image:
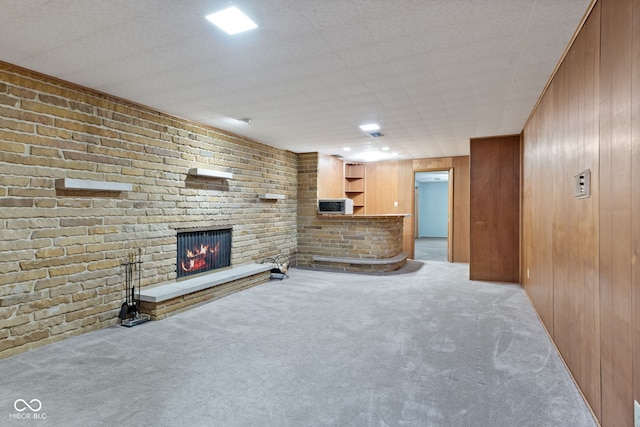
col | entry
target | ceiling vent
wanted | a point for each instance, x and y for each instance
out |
(376, 134)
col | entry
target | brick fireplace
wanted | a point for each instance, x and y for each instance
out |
(203, 273)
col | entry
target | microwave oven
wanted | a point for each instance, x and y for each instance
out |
(335, 206)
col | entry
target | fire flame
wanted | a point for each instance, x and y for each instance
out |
(197, 258)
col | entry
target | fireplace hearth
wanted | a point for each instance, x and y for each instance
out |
(202, 250)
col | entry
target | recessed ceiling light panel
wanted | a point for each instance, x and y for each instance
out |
(370, 127)
(232, 21)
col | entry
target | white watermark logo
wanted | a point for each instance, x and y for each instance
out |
(27, 410)
(21, 405)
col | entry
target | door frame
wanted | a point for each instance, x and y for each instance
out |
(415, 210)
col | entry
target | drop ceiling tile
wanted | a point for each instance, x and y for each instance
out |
(13, 10)
(374, 71)
(320, 65)
(360, 56)
(347, 36)
(561, 16)
(417, 84)
(451, 57)
(323, 14)
(499, 18)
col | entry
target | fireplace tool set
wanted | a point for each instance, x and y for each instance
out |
(130, 311)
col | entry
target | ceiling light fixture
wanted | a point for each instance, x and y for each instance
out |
(372, 156)
(347, 148)
(385, 148)
(369, 127)
(232, 21)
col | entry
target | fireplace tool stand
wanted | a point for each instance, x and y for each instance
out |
(130, 311)
(279, 265)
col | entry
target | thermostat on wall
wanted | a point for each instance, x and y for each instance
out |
(582, 184)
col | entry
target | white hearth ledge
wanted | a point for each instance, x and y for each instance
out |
(87, 184)
(183, 287)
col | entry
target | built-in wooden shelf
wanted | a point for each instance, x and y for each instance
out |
(358, 199)
(354, 185)
(271, 196)
(354, 170)
(210, 173)
(87, 184)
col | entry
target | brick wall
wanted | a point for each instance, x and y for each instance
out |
(307, 205)
(60, 250)
(352, 236)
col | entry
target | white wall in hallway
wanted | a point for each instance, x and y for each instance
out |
(433, 201)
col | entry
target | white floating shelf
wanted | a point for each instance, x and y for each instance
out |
(210, 173)
(87, 184)
(270, 196)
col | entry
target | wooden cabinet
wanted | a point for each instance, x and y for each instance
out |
(354, 185)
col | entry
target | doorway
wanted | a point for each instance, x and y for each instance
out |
(432, 228)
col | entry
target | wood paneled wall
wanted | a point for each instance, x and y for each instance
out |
(635, 200)
(330, 177)
(389, 182)
(560, 232)
(392, 181)
(461, 209)
(495, 209)
(581, 255)
(381, 188)
(405, 203)
(617, 234)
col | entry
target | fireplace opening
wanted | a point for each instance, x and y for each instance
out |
(203, 250)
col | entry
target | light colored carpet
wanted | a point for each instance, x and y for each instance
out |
(426, 347)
